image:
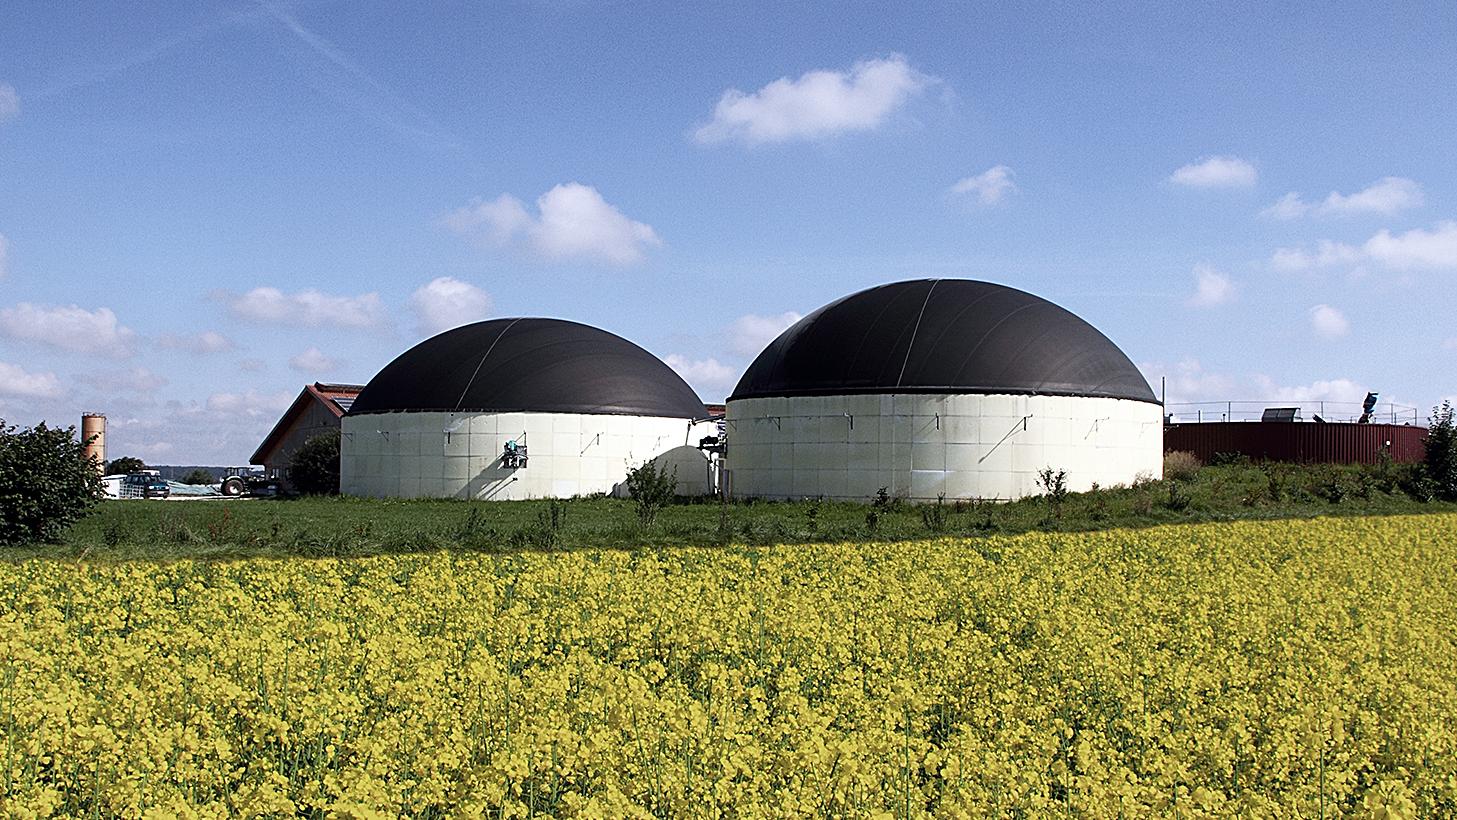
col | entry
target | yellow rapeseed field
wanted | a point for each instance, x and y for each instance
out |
(1276, 669)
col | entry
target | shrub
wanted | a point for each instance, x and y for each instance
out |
(1274, 482)
(1054, 488)
(1384, 475)
(1178, 498)
(981, 518)
(652, 489)
(872, 520)
(1417, 484)
(1181, 465)
(1330, 485)
(314, 469)
(46, 482)
(1098, 503)
(1441, 460)
(1229, 460)
(199, 477)
(933, 516)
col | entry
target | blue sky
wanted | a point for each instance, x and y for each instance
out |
(206, 205)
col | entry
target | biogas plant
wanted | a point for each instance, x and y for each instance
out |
(928, 388)
(939, 387)
(521, 408)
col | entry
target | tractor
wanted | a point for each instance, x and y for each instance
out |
(241, 481)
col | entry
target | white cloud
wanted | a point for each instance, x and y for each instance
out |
(1289, 206)
(17, 382)
(751, 333)
(1384, 196)
(1188, 381)
(989, 186)
(252, 404)
(312, 361)
(446, 302)
(9, 102)
(307, 308)
(132, 380)
(69, 328)
(252, 365)
(1211, 287)
(208, 341)
(1329, 322)
(1434, 249)
(1216, 172)
(573, 222)
(1334, 390)
(1327, 254)
(4, 256)
(1450, 343)
(708, 376)
(1387, 195)
(817, 105)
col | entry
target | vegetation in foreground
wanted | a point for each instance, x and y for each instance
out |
(1264, 669)
(321, 526)
(46, 482)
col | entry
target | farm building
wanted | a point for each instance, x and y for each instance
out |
(318, 409)
(1311, 432)
(521, 408)
(939, 386)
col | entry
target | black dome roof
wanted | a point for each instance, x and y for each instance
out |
(531, 365)
(942, 336)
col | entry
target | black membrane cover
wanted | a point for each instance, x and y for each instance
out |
(529, 365)
(942, 336)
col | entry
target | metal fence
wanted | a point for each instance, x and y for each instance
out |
(1193, 412)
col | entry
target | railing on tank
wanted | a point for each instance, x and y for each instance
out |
(1195, 412)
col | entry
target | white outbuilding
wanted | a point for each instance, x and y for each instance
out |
(939, 387)
(521, 408)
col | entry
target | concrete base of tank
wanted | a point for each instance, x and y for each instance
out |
(921, 446)
(459, 455)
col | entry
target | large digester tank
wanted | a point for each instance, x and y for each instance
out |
(521, 408)
(939, 388)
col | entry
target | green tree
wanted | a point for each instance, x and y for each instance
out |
(652, 488)
(314, 469)
(124, 465)
(46, 482)
(1441, 461)
(199, 476)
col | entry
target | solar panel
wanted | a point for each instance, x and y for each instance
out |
(1280, 414)
(345, 402)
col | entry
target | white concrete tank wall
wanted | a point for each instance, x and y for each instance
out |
(458, 455)
(921, 445)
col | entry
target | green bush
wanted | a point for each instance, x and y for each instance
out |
(1181, 465)
(1441, 460)
(1054, 488)
(46, 482)
(1178, 498)
(1226, 459)
(652, 488)
(314, 469)
(199, 477)
(933, 516)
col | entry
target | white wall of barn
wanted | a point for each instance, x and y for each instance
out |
(458, 455)
(919, 446)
